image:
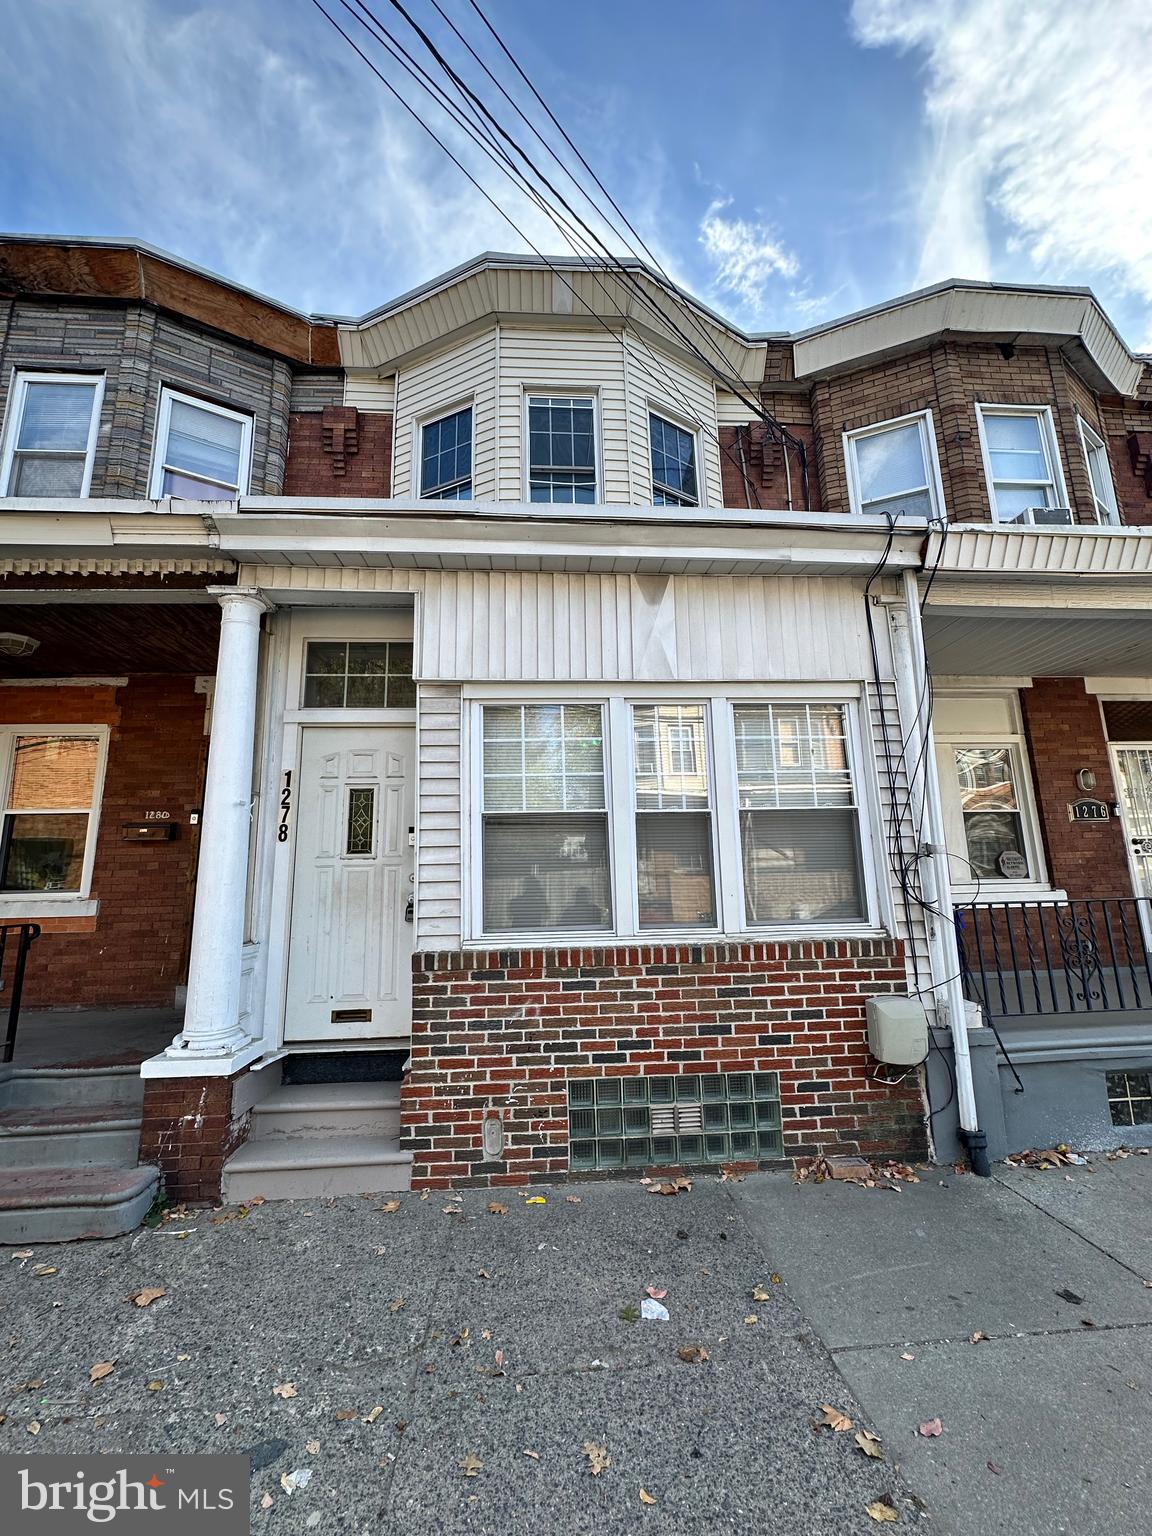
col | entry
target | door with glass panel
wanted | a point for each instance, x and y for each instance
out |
(349, 962)
(1133, 765)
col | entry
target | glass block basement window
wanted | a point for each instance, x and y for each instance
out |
(635, 1122)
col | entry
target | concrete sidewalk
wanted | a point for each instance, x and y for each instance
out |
(1045, 1422)
(386, 1324)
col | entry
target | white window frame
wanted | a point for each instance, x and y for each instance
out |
(617, 701)
(15, 905)
(934, 485)
(17, 393)
(1107, 510)
(655, 408)
(169, 397)
(564, 392)
(429, 419)
(1051, 447)
(965, 887)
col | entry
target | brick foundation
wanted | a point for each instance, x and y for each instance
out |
(507, 1028)
(191, 1127)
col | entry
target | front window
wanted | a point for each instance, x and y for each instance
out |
(1022, 465)
(51, 438)
(892, 468)
(49, 810)
(1099, 474)
(986, 779)
(202, 451)
(545, 823)
(446, 457)
(673, 464)
(673, 817)
(562, 448)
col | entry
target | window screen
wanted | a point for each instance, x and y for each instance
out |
(673, 817)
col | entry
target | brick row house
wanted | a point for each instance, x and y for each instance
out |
(538, 730)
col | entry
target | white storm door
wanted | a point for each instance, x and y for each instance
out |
(350, 948)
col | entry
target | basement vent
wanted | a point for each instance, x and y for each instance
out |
(1130, 1098)
(636, 1122)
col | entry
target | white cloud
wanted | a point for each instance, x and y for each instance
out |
(746, 257)
(1039, 115)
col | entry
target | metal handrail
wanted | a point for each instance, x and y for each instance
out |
(1028, 959)
(24, 934)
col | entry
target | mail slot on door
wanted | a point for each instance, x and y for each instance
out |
(149, 831)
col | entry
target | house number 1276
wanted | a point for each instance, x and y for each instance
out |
(285, 807)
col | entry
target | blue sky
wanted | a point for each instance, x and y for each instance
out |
(788, 160)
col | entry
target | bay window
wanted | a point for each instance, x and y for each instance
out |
(636, 816)
(1022, 464)
(446, 457)
(892, 468)
(202, 452)
(1099, 473)
(50, 434)
(562, 448)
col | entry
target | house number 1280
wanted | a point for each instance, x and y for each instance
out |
(285, 807)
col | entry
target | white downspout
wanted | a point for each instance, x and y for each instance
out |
(910, 671)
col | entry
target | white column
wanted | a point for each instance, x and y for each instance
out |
(211, 1027)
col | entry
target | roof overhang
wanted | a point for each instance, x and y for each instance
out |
(978, 311)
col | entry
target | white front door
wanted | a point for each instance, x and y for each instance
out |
(350, 948)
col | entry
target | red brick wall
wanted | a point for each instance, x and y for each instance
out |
(339, 452)
(134, 951)
(1065, 733)
(189, 1131)
(510, 1027)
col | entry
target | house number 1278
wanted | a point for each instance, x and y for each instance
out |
(285, 807)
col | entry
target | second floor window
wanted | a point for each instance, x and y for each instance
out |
(446, 457)
(562, 448)
(1022, 465)
(673, 464)
(51, 436)
(203, 451)
(1099, 473)
(892, 468)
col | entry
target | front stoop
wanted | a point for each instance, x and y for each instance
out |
(314, 1139)
(69, 1143)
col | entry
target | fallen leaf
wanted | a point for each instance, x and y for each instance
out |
(655, 1293)
(598, 1457)
(834, 1420)
(992, 1467)
(671, 1187)
(693, 1354)
(221, 1418)
(535, 1455)
(452, 1210)
(932, 1427)
(535, 1200)
(775, 1279)
(751, 1320)
(33, 1426)
(285, 1389)
(461, 1338)
(23, 1253)
(483, 1274)
(256, 1200)
(907, 1356)
(312, 1447)
(101, 1369)
(574, 1199)
(629, 1313)
(373, 1414)
(499, 1358)
(235, 1213)
(471, 1464)
(183, 1357)
(978, 1337)
(396, 1305)
(869, 1444)
(155, 1386)
(148, 1295)
(344, 1414)
(28, 1386)
(390, 1206)
(45, 1269)
(266, 1501)
(496, 1209)
(882, 1509)
(646, 1497)
(760, 1294)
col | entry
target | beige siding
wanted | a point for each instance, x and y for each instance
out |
(657, 383)
(369, 392)
(466, 375)
(439, 875)
(731, 410)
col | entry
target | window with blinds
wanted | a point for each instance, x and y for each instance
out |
(673, 817)
(545, 822)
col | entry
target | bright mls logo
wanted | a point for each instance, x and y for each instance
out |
(57, 1495)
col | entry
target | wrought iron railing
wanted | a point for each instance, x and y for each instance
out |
(1028, 959)
(15, 942)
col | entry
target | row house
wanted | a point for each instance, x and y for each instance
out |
(536, 729)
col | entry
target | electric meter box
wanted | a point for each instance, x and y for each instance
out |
(897, 1030)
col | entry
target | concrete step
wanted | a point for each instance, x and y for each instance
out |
(63, 1135)
(306, 1167)
(317, 1110)
(62, 1205)
(75, 1086)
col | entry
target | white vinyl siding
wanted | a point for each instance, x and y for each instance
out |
(437, 386)
(439, 873)
(369, 392)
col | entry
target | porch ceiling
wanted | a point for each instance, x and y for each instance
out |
(82, 639)
(975, 642)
